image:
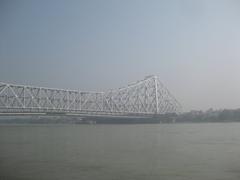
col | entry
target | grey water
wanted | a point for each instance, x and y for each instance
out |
(209, 151)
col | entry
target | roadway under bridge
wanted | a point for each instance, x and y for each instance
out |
(145, 98)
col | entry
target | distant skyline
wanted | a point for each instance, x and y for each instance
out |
(192, 46)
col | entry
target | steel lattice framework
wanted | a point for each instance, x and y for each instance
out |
(148, 96)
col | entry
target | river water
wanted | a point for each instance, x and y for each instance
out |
(209, 151)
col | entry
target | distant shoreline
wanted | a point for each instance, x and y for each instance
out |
(209, 116)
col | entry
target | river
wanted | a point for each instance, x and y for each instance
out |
(209, 151)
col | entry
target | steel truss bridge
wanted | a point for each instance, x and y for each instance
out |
(148, 97)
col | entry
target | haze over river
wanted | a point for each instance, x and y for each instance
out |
(209, 151)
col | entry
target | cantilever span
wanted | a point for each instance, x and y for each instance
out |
(146, 97)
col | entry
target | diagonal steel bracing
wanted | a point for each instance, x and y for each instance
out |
(148, 96)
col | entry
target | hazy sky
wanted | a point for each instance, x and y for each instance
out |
(193, 46)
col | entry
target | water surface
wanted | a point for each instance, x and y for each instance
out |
(114, 152)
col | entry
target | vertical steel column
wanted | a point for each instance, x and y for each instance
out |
(68, 97)
(80, 101)
(7, 99)
(145, 98)
(102, 101)
(156, 93)
(24, 87)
